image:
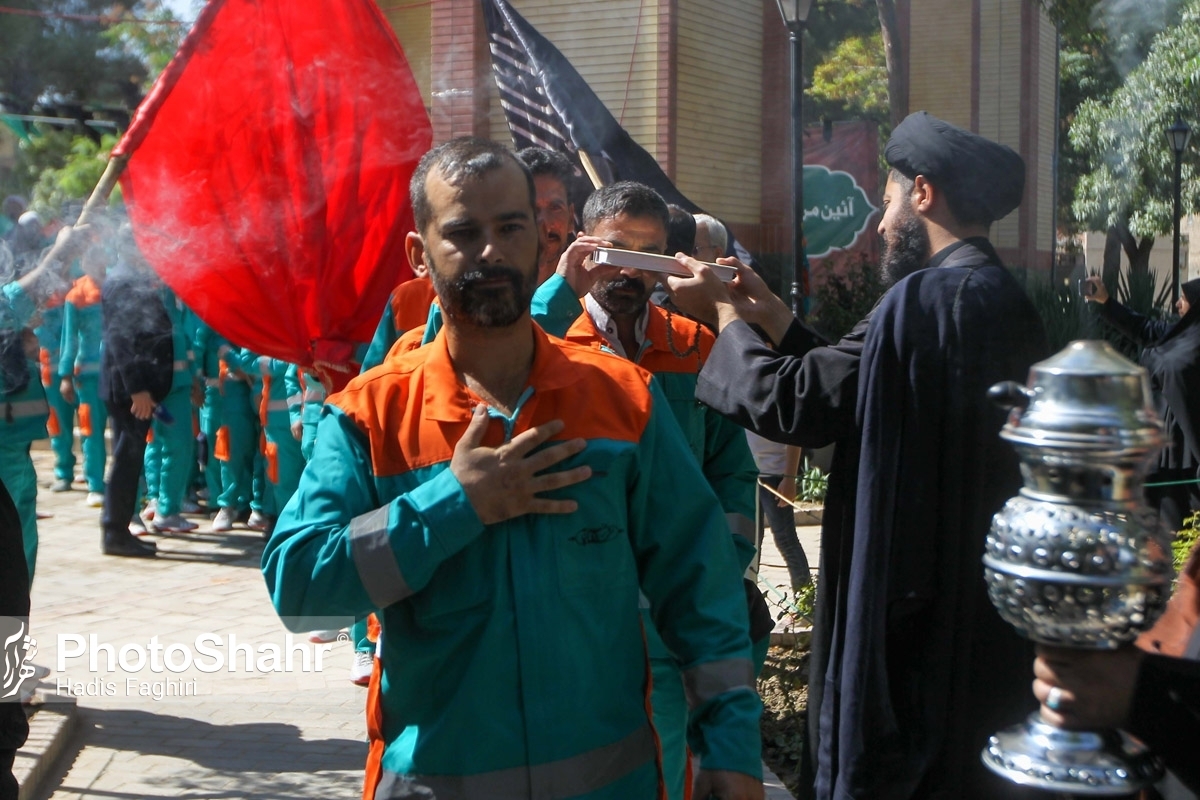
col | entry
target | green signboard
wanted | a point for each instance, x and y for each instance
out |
(836, 210)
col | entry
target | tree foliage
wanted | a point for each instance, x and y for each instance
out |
(855, 75)
(74, 178)
(835, 84)
(58, 57)
(1129, 180)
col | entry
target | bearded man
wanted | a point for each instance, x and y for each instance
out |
(911, 666)
(496, 497)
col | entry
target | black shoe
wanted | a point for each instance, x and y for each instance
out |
(130, 547)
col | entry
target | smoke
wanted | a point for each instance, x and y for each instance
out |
(1131, 26)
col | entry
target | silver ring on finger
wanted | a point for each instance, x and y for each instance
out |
(1054, 698)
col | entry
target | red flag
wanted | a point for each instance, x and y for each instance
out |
(268, 172)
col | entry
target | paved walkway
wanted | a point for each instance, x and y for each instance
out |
(244, 734)
(240, 734)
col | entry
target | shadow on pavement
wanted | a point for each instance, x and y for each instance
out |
(268, 747)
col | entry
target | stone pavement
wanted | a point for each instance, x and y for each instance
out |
(261, 733)
(243, 734)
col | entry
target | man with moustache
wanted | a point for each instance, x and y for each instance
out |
(496, 497)
(911, 666)
(552, 176)
(620, 317)
(409, 304)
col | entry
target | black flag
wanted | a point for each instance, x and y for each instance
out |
(548, 104)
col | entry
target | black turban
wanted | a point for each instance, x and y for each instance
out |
(983, 180)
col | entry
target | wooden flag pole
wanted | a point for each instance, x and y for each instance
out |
(590, 169)
(104, 188)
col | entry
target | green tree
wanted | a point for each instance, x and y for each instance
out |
(1130, 179)
(58, 53)
(855, 75)
(74, 179)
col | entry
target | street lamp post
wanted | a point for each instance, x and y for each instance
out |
(1179, 134)
(795, 16)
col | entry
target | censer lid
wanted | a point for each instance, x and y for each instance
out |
(1086, 396)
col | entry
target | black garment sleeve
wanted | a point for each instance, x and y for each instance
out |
(1166, 714)
(1142, 330)
(803, 394)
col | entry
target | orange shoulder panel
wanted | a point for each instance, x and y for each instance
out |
(606, 397)
(386, 403)
(85, 292)
(673, 334)
(413, 416)
(410, 340)
(410, 303)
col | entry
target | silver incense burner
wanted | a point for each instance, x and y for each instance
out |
(1077, 559)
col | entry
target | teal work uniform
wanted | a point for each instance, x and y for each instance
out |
(521, 637)
(61, 424)
(172, 448)
(283, 459)
(82, 334)
(674, 349)
(238, 436)
(206, 346)
(23, 417)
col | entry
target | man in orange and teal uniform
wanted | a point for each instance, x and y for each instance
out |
(61, 424)
(499, 498)
(172, 448)
(281, 450)
(621, 319)
(246, 479)
(79, 366)
(23, 406)
(207, 345)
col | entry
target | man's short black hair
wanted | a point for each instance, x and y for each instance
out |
(457, 160)
(625, 197)
(681, 234)
(548, 162)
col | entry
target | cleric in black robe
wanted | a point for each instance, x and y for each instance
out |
(1171, 354)
(911, 667)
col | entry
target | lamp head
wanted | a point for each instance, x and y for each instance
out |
(1179, 135)
(794, 12)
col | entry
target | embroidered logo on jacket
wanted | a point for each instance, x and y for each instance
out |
(599, 535)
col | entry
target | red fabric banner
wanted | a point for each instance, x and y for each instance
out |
(268, 173)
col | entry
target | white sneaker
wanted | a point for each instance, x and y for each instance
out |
(174, 524)
(150, 510)
(189, 507)
(137, 527)
(325, 636)
(361, 669)
(95, 499)
(257, 521)
(223, 521)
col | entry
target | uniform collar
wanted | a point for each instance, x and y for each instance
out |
(446, 399)
(607, 327)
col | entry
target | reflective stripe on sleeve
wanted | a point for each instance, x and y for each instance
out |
(374, 559)
(705, 681)
(741, 525)
(179, 366)
(27, 408)
(569, 777)
(277, 405)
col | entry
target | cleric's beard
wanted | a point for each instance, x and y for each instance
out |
(464, 300)
(905, 248)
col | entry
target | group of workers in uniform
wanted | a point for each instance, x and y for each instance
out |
(540, 488)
